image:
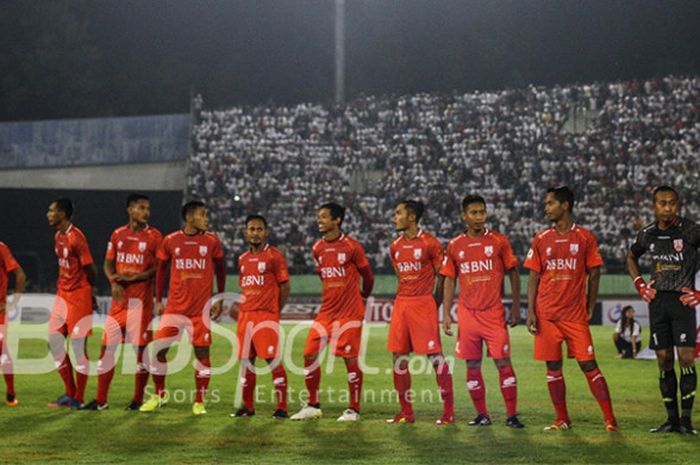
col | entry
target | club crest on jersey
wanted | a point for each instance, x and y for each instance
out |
(417, 253)
(203, 250)
(341, 257)
(651, 247)
(488, 250)
(65, 252)
(177, 250)
(142, 246)
(549, 251)
(573, 248)
(261, 267)
(120, 244)
(461, 254)
(678, 245)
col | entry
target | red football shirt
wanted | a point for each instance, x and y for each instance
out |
(338, 262)
(73, 255)
(134, 252)
(563, 262)
(8, 264)
(415, 261)
(191, 270)
(259, 276)
(479, 264)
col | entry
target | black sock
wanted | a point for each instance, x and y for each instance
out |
(668, 384)
(689, 381)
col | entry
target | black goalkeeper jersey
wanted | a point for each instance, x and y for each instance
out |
(673, 253)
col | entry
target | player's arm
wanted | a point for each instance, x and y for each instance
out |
(112, 276)
(161, 278)
(91, 273)
(220, 271)
(448, 298)
(533, 281)
(439, 290)
(367, 280)
(143, 276)
(20, 282)
(514, 276)
(284, 294)
(593, 286)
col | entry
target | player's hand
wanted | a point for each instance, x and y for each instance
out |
(531, 323)
(646, 292)
(160, 308)
(117, 292)
(514, 315)
(447, 325)
(690, 297)
(216, 309)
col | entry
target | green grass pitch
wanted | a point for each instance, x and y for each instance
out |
(32, 432)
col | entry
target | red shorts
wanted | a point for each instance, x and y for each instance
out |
(172, 324)
(477, 327)
(550, 335)
(131, 326)
(344, 336)
(258, 334)
(71, 314)
(414, 326)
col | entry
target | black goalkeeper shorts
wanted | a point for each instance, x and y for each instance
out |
(672, 323)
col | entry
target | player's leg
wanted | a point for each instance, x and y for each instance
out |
(599, 388)
(443, 375)
(548, 340)
(164, 338)
(245, 329)
(402, 384)
(509, 390)
(497, 339)
(202, 375)
(477, 392)
(140, 378)
(7, 369)
(688, 384)
(59, 352)
(315, 341)
(112, 336)
(661, 341)
(352, 365)
(279, 381)
(346, 338)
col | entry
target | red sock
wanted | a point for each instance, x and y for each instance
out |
(141, 376)
(65, 370)
(599, 388)
(105, 372)
(402, 383)
(7, 372)
(279, 379)
(248, 382)
(202, 374)
(312, 380)
(509, 389)
(477, 390)
(82, 369)
(354, 383)
(444, 382)
(557, 392)
(158, 375)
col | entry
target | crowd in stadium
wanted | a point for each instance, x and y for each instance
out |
(509, 146)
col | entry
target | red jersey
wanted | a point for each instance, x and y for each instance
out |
(338, 262)
(415, 261)
(259, 276)
(191, 270)
(73, 255)
(8, 264)
(134, 252)
(563, 262)
(479, 264)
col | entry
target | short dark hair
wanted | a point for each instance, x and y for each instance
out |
(472, 198)
(664, 188)
(135, 197)
(337, 211)
(65, 205)
(413, 206)
(250, 218)
(563, 194)
(191, 206)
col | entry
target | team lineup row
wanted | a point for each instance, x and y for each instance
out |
(564, 264)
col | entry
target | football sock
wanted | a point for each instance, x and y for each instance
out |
(599, 388)
(202, 374)
(279, 379)
(248, 382)
(105, 372)
(354, 383)
(402, 383)
(312, 378)
(668, 385)
(689, 381)
(444, 382)
(477, 390)
(509, 389)
(141, 378)
(7, 371)
(557, 392)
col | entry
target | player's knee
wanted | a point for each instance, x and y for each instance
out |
(588, 365)
(474, 364)
(554, 365)
(201, 352)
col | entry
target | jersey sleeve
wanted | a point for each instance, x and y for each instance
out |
(448, 266)
(593, 257)
(436, 253)
(8, 260)
(640, 244)
(111, 252)
(281, 270)
(618, 326)
(359, 256)
(510, 261)
(82, 251)
(636, 329)
(163, 250)
(317, 264)
(533, 260)
(392, 254)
